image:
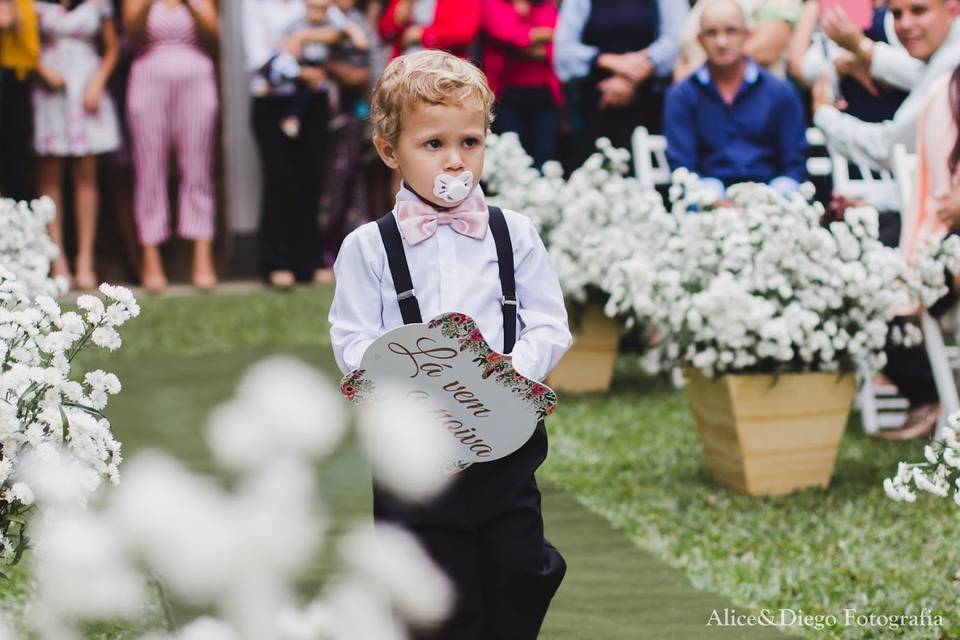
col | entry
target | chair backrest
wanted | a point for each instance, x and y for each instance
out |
(904, 172)
(650, 158)
(818, 162)
(870, 184)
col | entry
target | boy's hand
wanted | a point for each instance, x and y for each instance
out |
(8, 14)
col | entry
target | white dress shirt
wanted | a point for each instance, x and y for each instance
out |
(450, 272)
(873, 142)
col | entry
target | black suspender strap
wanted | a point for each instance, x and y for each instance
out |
(406, 296)
(508, 285)
(397, 259)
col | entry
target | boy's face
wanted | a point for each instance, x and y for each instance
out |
(317, 10)
(435, 139)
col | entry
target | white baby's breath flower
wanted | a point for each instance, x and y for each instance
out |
(106, 338)
(22, 493)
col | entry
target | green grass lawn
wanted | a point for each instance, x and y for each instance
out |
(634, 457)
(631, 456)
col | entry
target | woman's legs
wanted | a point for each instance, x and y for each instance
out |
(50, 183)
(86, 202)
(314, 138)
(278, 199)
(148, 103)
(195, 121)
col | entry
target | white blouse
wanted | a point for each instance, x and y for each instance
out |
(450, 272)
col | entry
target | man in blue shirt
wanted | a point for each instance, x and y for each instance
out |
(732, 121)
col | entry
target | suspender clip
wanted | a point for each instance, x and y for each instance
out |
(411, 293)
(510, 300)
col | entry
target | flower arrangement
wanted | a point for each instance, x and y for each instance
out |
(762, 285)
(25, 246)
(41, 407)
(590, 223)
(937, 475)
(169, 536)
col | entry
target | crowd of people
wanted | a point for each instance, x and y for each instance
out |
(732, 84)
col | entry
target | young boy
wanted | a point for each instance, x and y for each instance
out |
(441, 249)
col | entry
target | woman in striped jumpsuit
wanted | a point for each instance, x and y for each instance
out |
(172, 104)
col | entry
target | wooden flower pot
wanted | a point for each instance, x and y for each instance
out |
(588, 365)
(770, 435)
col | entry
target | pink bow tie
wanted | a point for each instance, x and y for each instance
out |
(418, 220)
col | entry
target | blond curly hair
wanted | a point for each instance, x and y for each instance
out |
(425, 77)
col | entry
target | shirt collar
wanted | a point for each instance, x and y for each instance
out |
(750, 76)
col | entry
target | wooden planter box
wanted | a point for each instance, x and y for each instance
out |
(767, 435)
(588, 365)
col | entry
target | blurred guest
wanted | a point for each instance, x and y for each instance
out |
(732, 121)
(74, 119)
(932, 213)
(770, 23)
(411, 25)
(518, 61)
(616, 50)
(813, 56)
(379, 50)
(343, 203)
(19, 56)
(285, 67)
(172, 103)
(292, 167)
(931, 35)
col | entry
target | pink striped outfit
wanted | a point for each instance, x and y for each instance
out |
(172, 102)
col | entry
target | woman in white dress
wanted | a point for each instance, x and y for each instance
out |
(74, 118)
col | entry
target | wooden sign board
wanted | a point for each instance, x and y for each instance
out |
(483, 406)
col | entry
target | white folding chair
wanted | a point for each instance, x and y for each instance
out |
(876, 187)
(650, 158)
(819, 163)
(942, 358)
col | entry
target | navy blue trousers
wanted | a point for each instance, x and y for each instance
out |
(486, 533)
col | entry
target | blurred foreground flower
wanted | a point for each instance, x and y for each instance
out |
(238, 552)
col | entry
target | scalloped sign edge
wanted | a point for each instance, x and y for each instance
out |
(359, 389)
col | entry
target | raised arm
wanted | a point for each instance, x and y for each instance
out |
(135, 14)
(108, 62)
(204, 13)
(801, 40)
(768, 41)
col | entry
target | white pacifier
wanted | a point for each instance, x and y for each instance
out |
(453, 189)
